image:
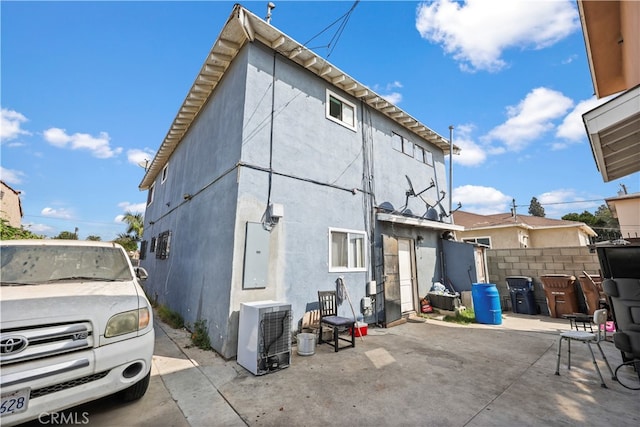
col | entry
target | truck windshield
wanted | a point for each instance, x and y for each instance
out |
(39, 264)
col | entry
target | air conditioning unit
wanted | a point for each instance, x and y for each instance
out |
(264, 336)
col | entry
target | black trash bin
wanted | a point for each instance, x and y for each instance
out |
(523, 299)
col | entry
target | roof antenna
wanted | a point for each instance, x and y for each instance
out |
(270, 7)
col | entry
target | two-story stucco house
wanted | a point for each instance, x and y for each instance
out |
(281, 174)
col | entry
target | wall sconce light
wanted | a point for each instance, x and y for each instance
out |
(187, 196)
(151, 222)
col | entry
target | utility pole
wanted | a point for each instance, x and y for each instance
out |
(450, 168)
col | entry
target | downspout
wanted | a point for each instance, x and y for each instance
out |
(267, 222)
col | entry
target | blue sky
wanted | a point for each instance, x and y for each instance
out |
(89, 90)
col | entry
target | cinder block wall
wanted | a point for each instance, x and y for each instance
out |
(535, 262)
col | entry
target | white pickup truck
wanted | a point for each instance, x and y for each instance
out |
(75, 326)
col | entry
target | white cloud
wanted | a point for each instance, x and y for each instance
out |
(572, 127)
(98, 146)
(481, 200)
(11, 125)
(130, 207)
(57, 213)
(137, 157)
(394, 97)
(531, 118)
(477, 32)
(12, 177)
(38, 228)
(558, 203)
(471, 154)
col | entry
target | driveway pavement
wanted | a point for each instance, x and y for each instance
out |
(432, 373)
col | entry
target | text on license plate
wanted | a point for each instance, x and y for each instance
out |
(14, 403)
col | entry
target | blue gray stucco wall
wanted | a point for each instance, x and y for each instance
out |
(224, 162)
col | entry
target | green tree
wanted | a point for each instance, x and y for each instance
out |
(67, 235)
(535, 208)
(94, 238)
(602, 223)
(127, 242)
(135, 225)
(8, 232)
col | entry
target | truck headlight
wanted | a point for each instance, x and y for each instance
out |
(129, 321)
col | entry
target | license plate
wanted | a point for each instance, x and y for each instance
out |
(14, 403)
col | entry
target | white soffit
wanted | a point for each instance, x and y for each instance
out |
(418, 222)
(614, 133)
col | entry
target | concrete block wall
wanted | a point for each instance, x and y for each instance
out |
(535, 262)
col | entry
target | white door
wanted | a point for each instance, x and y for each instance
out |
(406, 282)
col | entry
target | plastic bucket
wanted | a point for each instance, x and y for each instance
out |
(486, 303)
(306, 344)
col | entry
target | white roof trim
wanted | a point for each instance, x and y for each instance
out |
(242, 27)
(418, 222)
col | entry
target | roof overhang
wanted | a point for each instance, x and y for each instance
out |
(418, 222)
(613, 129)
(242, 27)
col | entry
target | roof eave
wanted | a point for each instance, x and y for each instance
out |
(242, 27)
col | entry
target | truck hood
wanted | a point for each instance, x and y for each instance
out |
(62, 302)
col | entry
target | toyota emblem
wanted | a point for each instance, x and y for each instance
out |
(12, 344)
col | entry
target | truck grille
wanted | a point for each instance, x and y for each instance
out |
(19, 345)
(68, 384)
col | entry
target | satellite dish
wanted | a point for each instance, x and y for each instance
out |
(407, 212)
(386, 206)
(410, 191)
(431, 214)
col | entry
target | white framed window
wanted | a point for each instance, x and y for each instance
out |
(347, 250)
(428, 157)
(479, 240)
(396, 142)
(150, 194)
(341, 111)
(165, 171)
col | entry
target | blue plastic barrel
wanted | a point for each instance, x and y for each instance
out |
(486, 303)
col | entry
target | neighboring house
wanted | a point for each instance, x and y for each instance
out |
(612, 38)
(10, 205)
(508, 231)
(626, 207)
(281, 174)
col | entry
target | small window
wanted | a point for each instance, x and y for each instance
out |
(163, 244)
(428, 158)
(165, 171)
(346, 250)
(396, 142)
(341, 111)
(418, 153)
(150, 195)
(152, 246)
(143, 249)
(486, 241)
(407, 147)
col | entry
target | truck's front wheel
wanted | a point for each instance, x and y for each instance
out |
(136, 391)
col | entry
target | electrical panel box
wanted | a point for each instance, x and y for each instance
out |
(264, 336)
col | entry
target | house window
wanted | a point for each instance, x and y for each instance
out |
(396, 142)
(152, 246)
(402, 144)
(165, 171)
(486, 241)
(341, 111)
(163, 244)
(428, 158)
(346, 250)
(150, 195)
(143, 249)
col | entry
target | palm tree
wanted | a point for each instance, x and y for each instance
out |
(135, 225)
